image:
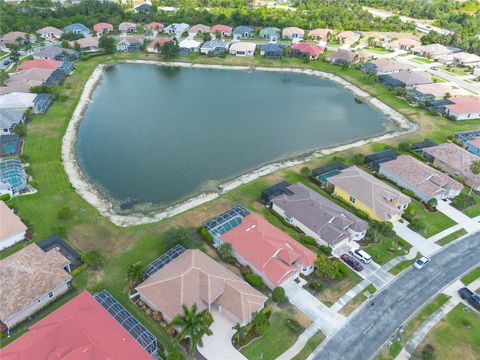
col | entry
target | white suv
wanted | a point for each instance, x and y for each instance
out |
(362, 255)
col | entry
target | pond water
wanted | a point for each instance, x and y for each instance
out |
(154, 136)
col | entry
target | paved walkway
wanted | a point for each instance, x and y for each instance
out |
(219, 346)
(412, 254)
(328, 319)
(301, 342)
(469, 224)
(423, 245)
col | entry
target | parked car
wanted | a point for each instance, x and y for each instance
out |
(434, 67)
(6, 62)
(420, 263)
(472, 298)
(362, 255)
(352, 262)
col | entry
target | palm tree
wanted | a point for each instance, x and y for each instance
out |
(261, 323)
(475, 169)
(135, 273)
(194, 325)
(240, 332)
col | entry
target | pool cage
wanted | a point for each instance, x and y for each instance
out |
(227, 220)
(163, 260)
(466, 136)
(12, 172)
(128, 321)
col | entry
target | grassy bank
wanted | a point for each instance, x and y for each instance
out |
(86, 230)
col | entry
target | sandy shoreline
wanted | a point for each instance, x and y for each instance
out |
(93, 196)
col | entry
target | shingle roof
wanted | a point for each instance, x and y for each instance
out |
(8, 117)
(195, 278)
(421, 176)
(80, 329)
(267, 248)
(10, 224)
(319, 214)
(271, 47)
(51, 52)
(28, 274)
(371, 191)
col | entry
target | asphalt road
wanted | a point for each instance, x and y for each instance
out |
(370, 327)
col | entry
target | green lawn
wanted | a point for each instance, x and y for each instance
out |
(472, 211)
(358, 300)
(331, 293)
(378, 50)
(276, 341)
(449, 238)
(311, 345)
(388, 248)
(436, 222)
(421, 60)
(456, 336)
(471, 276)
(397, 269)
(455, 70)
(424, 314)
(87, 230)
(438, 79)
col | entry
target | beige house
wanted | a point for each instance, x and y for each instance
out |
(29, 280)
(242, 49)
(195, 278)
(405, 43)
(432, 51)
(14, 37)
(293, 33)
(348, 37)
(12, 229)
(50, 33)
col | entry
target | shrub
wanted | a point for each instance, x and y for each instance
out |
(317, 285)
(206, 235)
(309, 240)
(408, 193)
(428, 352)
(64, 213)
(327, 250)
(246, 270)
(361, 214)
(278, 295)
(177, 236)
(175, 356)
(326, 268)
(344, 270)
(404, 146)
(5, 197)
(294, 326)
(359, 159)
(94, 259)
(254, 280)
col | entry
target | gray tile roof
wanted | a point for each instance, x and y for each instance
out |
(9, 117)
(319, 214)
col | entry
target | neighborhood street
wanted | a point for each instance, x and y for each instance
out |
(372, 326)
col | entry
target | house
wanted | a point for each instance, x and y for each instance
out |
(50, 33)
(214, 46)
(474, 146)
(154, 46)
(152, 29)
(80, 329)
(56, 53)
(466, 59)
(384, 66)
(17, 100)
(270, 33)
(463, 107)
(348, 37)
(222, 29)
(455, 161)
(242, 49)
(432, 51)
(78, 29)
(177, 30)
(88, 45)
(188, 46)
(143, 8)
(195, 278)
(347, 57)
(425, 182)
(32, 278)
(9, 119)
(435, 94)
(405, 79)
(12, 229)
(270, 252)
(199, 28)
(293, 33)
(318, 217)
(24, 80)
(271, 50)
(306, 51)
(17, 37)
(319, 34)
(56, 242)
(130, 44)
(102, 28)
(127, 27)
(13, 175)
(365, 192)
(39, 64)
(242, 32)
(404, 43)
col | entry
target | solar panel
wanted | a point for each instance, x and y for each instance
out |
(163, 260)
(11, 172)
(227, 220)
(128, 321)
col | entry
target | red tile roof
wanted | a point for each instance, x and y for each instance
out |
(154, 26)
(465, 104)
(159, 41)
(268, 249)
(80, 329)
(222, 28)
(39, 64)
(101, 26)
(312, 50)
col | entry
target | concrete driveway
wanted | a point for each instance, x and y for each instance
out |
(219, 346)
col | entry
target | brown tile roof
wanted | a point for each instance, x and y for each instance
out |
(27, 275)
(421, 176)
(195, 278)
(371, 191)
(10, 223)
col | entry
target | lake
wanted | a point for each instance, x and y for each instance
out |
(154, 136)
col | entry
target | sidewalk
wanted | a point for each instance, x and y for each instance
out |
(425, 246)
